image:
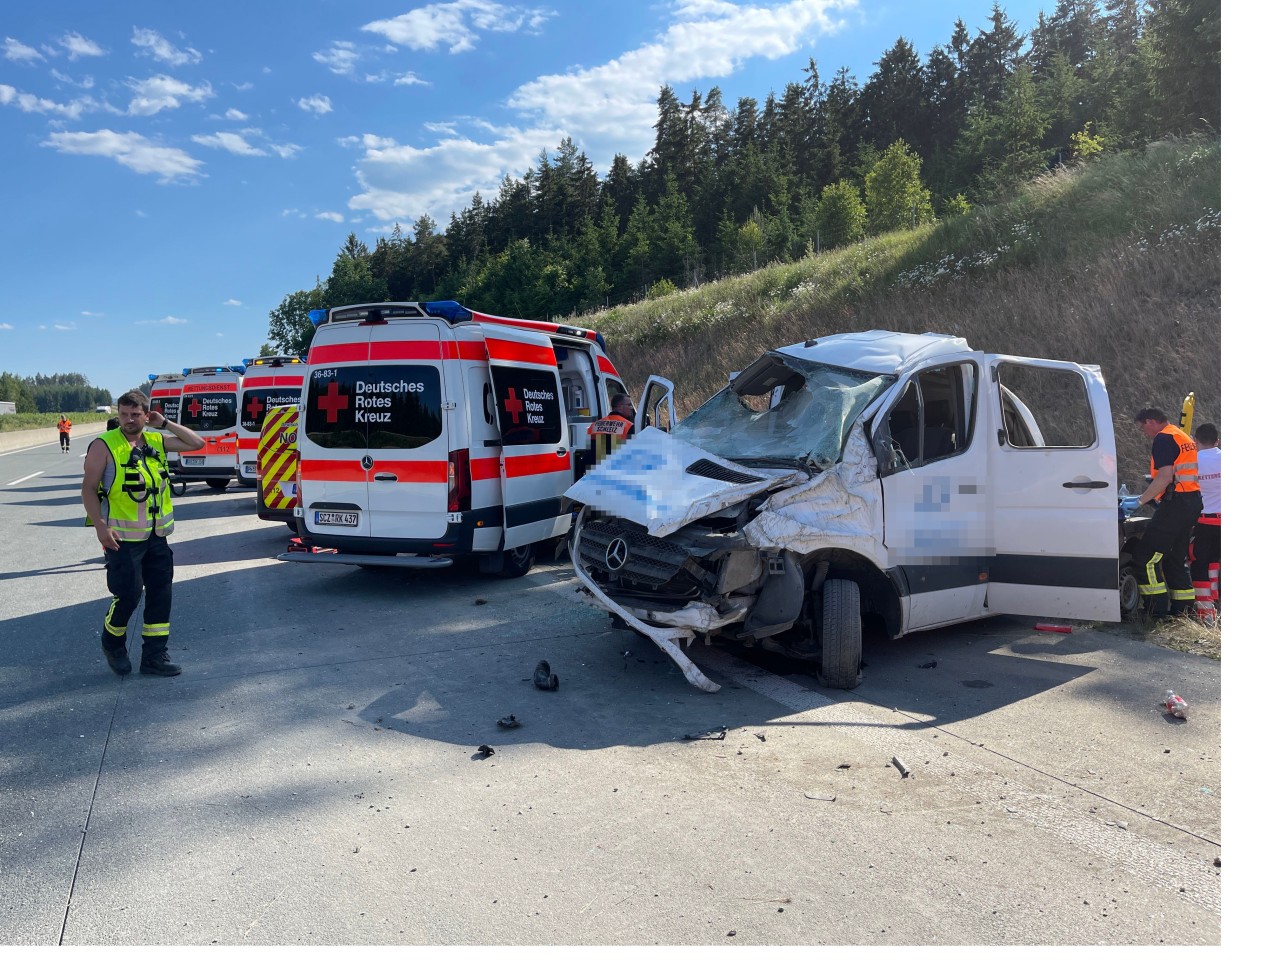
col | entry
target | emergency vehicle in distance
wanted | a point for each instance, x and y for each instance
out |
(268, 382)
(166, 397)
(210, 405)
(430, 432)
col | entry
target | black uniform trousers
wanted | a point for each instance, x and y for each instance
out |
(1161, 555)
(138, 567)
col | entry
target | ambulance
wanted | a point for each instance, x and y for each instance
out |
(278, 465)
(429, 432)
(210, 406)
(269, 382)
(166, 397)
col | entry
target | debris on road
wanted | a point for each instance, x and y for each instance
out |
(760, 737)
(543, 678)
(820, 796)
(508, 722)
(485, 750)
(902, 767)
(1174, 705)
(927, 665)
(1053, 627)
(481, 601)
(709, 735)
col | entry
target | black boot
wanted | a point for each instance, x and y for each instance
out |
(117, 657)
(155, 661)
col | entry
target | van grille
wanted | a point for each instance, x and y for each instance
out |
(651, 561)
(714, 471)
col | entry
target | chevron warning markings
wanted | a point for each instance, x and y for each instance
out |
(278, 458)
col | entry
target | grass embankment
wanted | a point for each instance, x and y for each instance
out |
(40, 421)
(1115, 263)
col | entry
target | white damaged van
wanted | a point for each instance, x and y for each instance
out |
(429, 432)
(901, 477)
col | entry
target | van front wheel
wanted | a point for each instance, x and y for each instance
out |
(841, 635)
(516, 562)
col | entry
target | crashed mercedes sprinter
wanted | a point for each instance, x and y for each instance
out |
(900, 478)
(429, 432)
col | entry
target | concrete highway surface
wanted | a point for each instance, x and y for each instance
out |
(314, 777)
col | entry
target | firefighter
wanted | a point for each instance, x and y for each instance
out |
(1161, 556)
(612, 431)
(1206, 547)
(64, 432)
(125, 493)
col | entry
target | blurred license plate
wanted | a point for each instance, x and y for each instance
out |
(337, 518)
(193, 461)
(250, 468)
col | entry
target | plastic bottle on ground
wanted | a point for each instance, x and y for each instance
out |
(1175, 705)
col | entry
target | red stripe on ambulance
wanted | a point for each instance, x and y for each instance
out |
(537, 463)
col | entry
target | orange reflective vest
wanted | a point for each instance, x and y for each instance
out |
(64, 425)
(1186, 469)
(614, 425)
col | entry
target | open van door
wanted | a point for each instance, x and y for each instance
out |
(657, 407)
(1052, 472)
(536, 468)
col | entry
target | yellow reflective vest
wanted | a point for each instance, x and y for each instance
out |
(135, 493)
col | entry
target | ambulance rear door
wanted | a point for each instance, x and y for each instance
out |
(210, 400)
(265, 387)
(536, 467)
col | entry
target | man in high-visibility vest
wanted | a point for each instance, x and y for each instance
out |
(611, 432)
(1206, 547)
(64, 432)
(1161, 556)
(125, 493)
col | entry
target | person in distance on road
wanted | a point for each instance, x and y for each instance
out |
(126, 497)
(1161, 555)
(64, 432)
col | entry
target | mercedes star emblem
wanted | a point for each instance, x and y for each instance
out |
(615, 555)
(367, 462)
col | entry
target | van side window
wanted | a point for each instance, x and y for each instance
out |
(1044, 407)
(528, 405)
(657, 411)
(934, 418)
(904, 429)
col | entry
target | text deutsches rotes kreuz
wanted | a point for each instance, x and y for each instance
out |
(373, 400)
(533, 409)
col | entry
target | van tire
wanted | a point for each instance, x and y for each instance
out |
(517, 561)
(1130, 597)
(841, 635)
(220, 484)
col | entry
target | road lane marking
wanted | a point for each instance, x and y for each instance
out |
(27, 477)
(1189, 876)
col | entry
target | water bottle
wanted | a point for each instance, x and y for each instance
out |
(1124, 490)
(1175, 705)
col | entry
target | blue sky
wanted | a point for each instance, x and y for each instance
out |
(172, 171)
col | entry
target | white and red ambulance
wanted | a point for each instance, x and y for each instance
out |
(430, 432)
(166, 397)
(268, 382)
(210, 407)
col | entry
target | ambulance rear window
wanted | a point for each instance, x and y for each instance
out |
(382, 407)
(528, 405)
(168, 406)
(255, 404)
(208, 411)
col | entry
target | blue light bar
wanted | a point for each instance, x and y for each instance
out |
(186, 371)
(450, 310)
(152, 376)
(317, 317)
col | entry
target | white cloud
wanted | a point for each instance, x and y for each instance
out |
(457, 26)
(608, 109)
(161, 49)
(85, 84)
(284, 150)
(331, 215)
(90, 313)
(232, 303)
(231, 142)
(292, 212)
(19, 52)
(169, 321)
(65, 326)
(615, 101)
(369, 141)
(78, 46)
(236, 115)
(6, 326)
(410, 79)
(243, 87)
(131, 150)
(162, 92)
(319, 104)
(340, 58)
(30, 103)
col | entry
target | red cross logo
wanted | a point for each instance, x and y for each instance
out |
(513, 405)
(254, 406)
(195, 409)
(332, 402)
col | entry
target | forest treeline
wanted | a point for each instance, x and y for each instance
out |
(725, 189)
(52, 393)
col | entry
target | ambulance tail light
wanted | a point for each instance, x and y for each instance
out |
(459, 481)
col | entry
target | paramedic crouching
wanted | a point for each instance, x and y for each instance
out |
(125, 492)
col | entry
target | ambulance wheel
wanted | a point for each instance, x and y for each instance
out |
(516, 562)
(220, 484)
(840, 633)
(1130, 598)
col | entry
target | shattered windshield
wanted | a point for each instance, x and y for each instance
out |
(783, 410)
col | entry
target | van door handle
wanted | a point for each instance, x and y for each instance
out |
(1087, 484)
(561, 451)
(386, 477)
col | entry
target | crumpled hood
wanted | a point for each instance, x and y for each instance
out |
(647, 481)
